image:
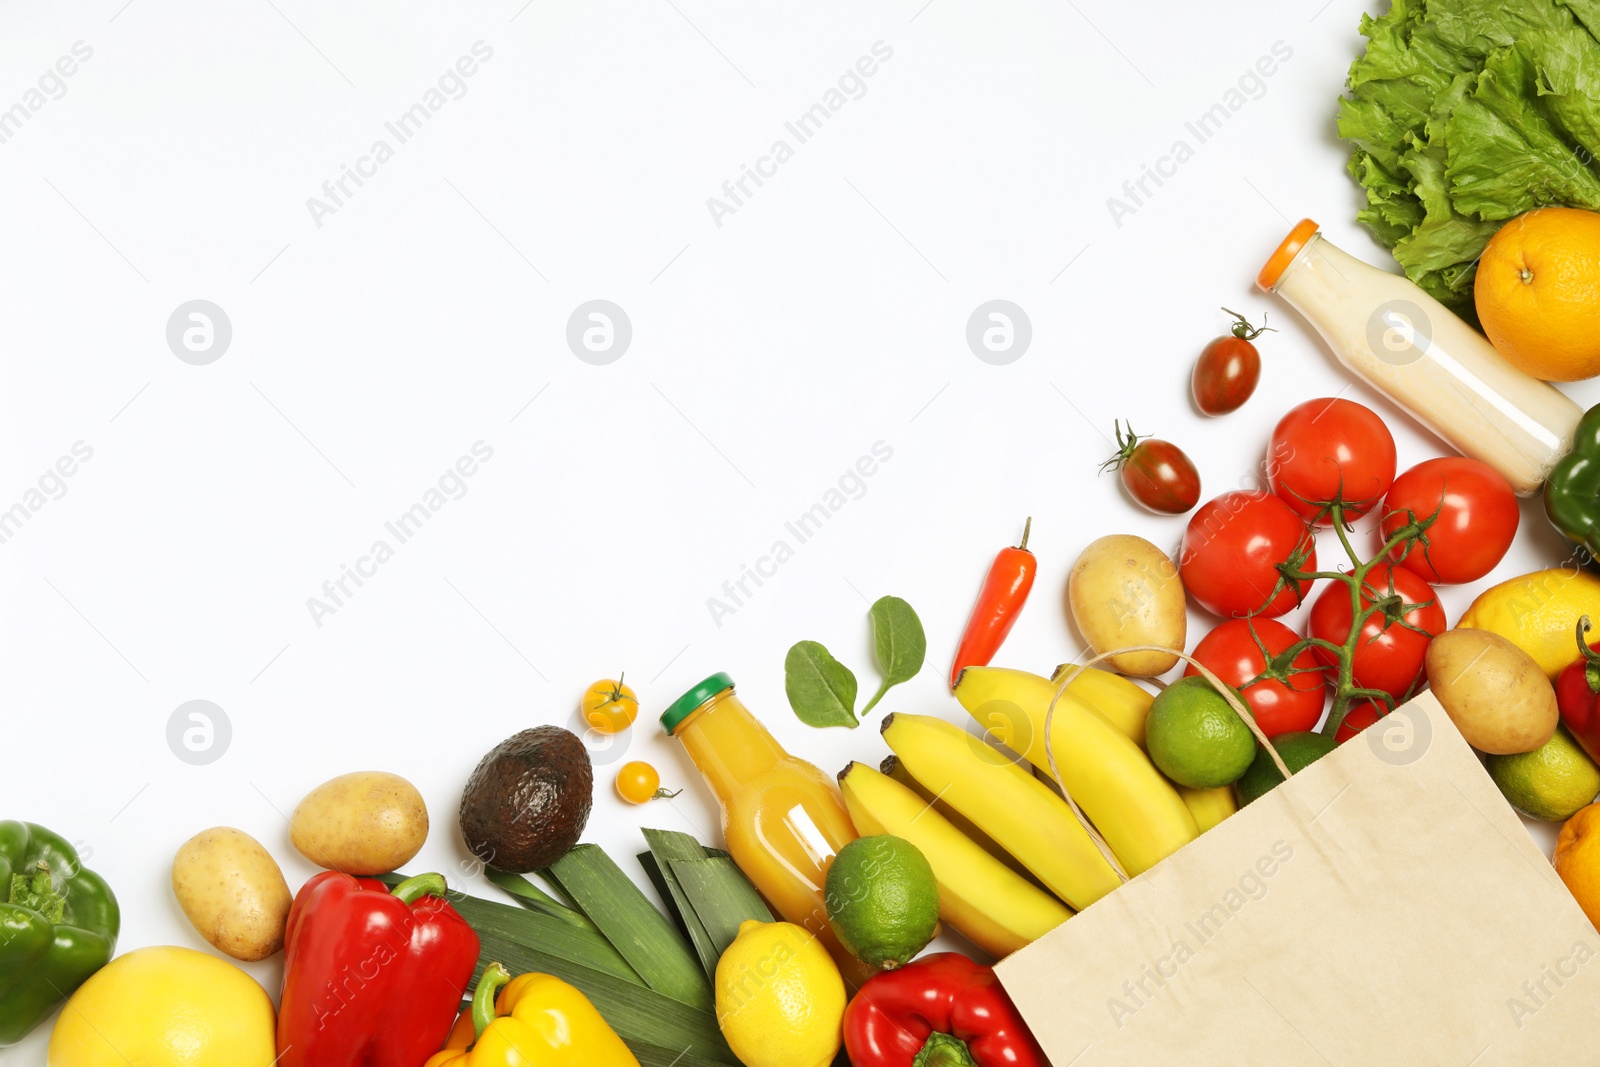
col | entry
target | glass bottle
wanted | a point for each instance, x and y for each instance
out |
(782, 818)
(1420, 354)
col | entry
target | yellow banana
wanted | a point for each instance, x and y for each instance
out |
(892, 766)
(1136, 810)
(1209, 806)
(1006, 802)
(998, 909)
(1125, 704)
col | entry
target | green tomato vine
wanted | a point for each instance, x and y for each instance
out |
(1404, 539)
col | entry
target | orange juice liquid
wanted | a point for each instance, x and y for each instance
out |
(783, 819)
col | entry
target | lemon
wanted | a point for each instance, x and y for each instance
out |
(780, 999)
(1551, 783)
(1538, 613)
(166, 1007)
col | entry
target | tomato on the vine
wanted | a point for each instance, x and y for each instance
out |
(1331, 449)
(1358, 718)
(1239, 651)
(1476, 518)
(1156, 473)
(1231, 551)
(1390, 651)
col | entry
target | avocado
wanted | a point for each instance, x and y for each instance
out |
(528, 801)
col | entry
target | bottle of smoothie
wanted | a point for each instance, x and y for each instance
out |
(1405, 343)
(783, 819)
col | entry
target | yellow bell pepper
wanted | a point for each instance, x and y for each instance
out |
(537, 1021)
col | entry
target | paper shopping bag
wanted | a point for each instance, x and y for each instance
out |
(1383, 907)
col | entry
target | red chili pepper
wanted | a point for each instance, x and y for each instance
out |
(1578, 694)
(1005, 590)
(372, 978)
(942, 1010)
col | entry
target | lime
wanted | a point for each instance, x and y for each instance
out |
(1195, 737)
(1551, 783)
(1298, 750)
(882, 900)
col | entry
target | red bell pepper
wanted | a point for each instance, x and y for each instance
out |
(372, 978)
(1578, 694)
(942, 1010)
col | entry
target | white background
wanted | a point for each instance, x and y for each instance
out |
(429, 312)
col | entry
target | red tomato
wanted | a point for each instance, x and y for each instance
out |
(1231, 551)
(1331, 449)
(1157, 474)
(1389, 655)
(1228, 368)
(1358, 718)
(1477, 518)
(1237, 651)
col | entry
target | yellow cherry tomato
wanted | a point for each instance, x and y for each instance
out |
(610, 707)
(638, 783)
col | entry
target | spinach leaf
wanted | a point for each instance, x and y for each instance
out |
(821, 690)
(899, 644)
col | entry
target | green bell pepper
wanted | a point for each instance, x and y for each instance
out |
(1572, 491)
(58, 925)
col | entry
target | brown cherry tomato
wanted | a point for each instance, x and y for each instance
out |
(1155, 473)
(1228, 368)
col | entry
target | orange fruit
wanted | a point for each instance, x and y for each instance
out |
(1538, 293)
(1577, 859)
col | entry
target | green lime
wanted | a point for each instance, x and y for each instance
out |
(1551, 783)
(882, 900)
(1299, 750)
(1195, 737)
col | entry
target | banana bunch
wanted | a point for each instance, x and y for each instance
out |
(1011, 858)
(995, 907)
(1011, 807)
(1097, 736)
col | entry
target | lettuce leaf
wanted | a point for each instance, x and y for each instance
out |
(1507, 155)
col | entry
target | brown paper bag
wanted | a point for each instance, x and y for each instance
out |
(1383, 907)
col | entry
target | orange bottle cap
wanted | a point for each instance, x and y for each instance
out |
(1273, 269)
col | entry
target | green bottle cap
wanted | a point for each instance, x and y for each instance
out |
(684, 706)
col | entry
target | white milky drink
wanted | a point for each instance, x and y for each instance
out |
(1402, 341)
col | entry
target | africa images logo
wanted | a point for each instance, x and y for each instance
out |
(851, 85)
(451, 85)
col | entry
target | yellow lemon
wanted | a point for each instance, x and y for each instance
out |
(166, 1007)
(780, 999)
(1539, 614)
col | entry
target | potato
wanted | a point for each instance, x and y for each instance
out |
(232, 891)
(363, 823)
(1125, 591)
(1496, 694)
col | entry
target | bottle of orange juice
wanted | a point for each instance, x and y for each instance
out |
(783, 819)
